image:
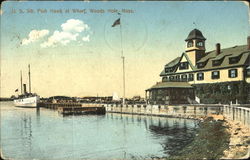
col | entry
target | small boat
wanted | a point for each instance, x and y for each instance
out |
(26, 99)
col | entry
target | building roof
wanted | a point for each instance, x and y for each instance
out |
(173, 62)
(224, 55)
(195, 34)
(170, 85)
(232, 51)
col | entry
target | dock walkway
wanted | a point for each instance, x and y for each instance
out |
(70, 108)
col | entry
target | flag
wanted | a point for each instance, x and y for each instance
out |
(16, 90)
(117, 22)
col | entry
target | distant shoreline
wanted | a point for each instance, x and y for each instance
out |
(6, 99)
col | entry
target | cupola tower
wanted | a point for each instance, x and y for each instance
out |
(195, 46)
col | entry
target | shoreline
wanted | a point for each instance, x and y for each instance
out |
(239, 146)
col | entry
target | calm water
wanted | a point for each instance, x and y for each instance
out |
(45, 134)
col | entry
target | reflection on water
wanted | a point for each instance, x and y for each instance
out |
(45, 134)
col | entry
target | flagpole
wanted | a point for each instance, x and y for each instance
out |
(29, 80)
(123, 63)
(21, 82)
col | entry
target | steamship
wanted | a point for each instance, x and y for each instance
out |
(26, 99)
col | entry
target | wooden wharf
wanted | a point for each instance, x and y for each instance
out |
(69, 108)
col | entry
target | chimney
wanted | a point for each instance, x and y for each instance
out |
(248, 42)
(217, 48)
(24, 89)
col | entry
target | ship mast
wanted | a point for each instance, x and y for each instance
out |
(21, 82)
(29, 80)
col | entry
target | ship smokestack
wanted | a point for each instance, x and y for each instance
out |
(217, 48)
(24, 89)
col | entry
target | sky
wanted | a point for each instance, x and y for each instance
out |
(74, 51)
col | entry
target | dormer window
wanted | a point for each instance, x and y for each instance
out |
(217, 62)
(190, 44)
(167, 70)
(200, 65)
(200, 44)
(233, 60)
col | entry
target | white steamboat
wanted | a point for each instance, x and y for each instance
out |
(26, 99)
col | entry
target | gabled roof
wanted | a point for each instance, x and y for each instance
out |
(175, 62)
(170, 85)
(189, 62)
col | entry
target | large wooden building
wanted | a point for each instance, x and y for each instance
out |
(217, 76)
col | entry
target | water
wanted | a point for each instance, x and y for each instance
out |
(44, 134)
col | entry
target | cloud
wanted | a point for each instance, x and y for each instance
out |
(74, 25)
(34, 35)
(59, 37)
(86, 38)
(70, 31)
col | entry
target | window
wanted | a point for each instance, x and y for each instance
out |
(183, 65)
(190, 77)
(215, 75)
(171, 78)
(164, 79)
(200, 76)
(184, 77)
(199, 44)
(232, 73)
(167, 70)
(234, 60)
(177, 77)
(216, 62)
(248, 72)
(201, 64)
(190, 44)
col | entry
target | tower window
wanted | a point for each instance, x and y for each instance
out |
(232, 73)
(190, 44)
(200, 76)
(199, 44)
(215, 75)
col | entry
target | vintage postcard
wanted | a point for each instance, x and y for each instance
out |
(125, 80)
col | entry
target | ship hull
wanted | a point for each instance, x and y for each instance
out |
(27, 102)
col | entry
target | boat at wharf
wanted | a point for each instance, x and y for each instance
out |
(26, 99)
(69, 108)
